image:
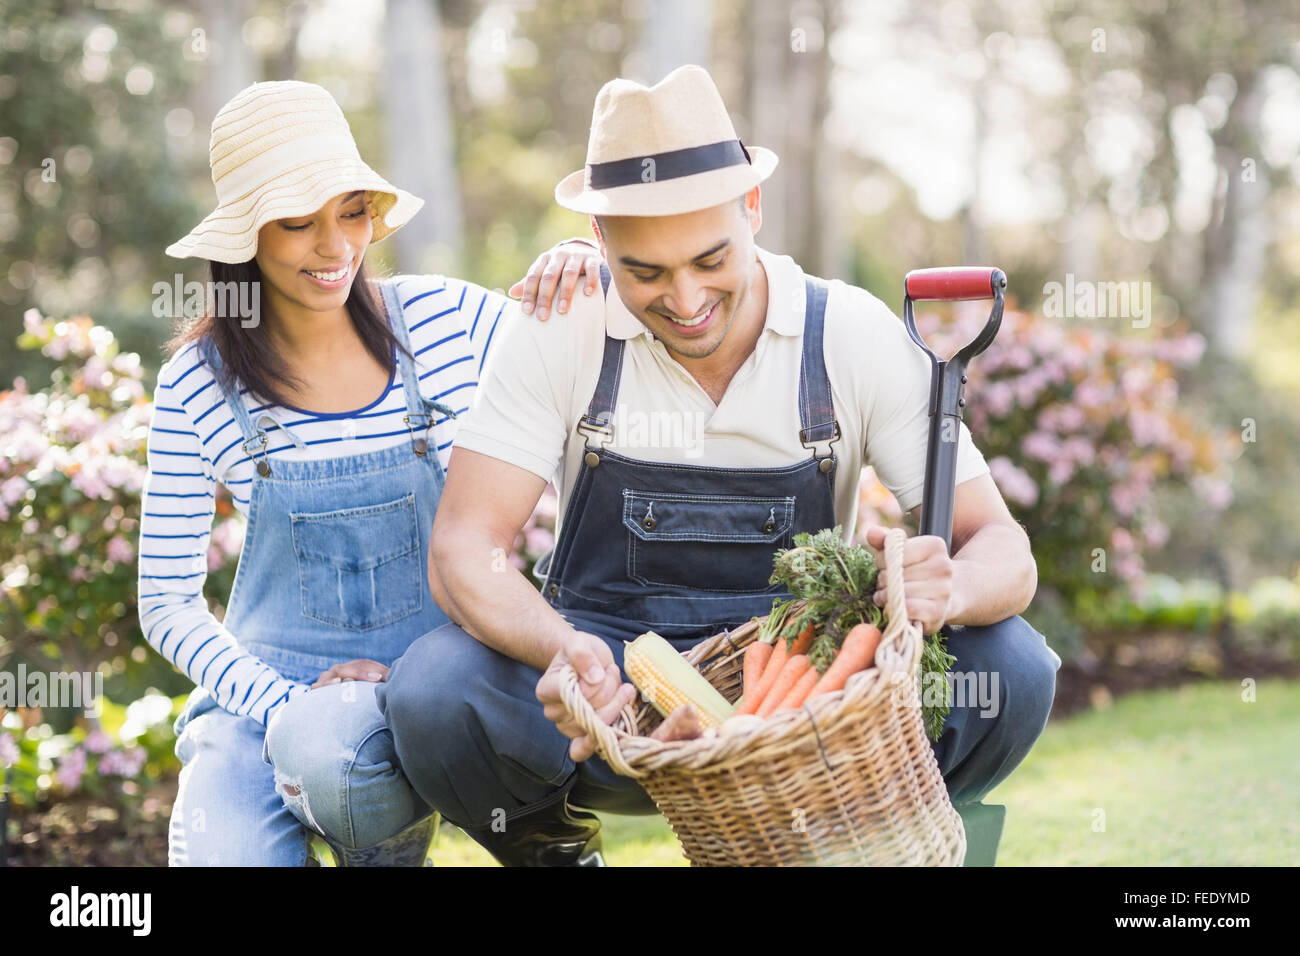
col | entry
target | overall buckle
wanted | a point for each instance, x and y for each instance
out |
(822, 450)
(420, 443)
(589, 427)
(263, 466)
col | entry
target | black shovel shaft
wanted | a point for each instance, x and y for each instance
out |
(938, 499)
(948, 381)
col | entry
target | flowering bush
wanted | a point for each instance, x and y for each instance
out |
(115, 766)
(72, 465)
(1082, 432)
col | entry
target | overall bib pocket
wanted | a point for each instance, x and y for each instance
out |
(712, 543)
(360, 568)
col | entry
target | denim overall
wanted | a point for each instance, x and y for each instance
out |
(685, 551)
(333, 568)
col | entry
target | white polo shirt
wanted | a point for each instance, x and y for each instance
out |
(539, 380)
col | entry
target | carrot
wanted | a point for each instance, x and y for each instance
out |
(756, 656)
(856, 654)
(793, 670)
(804, 641)
(775, 661)
(799, 693)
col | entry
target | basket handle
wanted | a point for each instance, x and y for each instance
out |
(605, 736)
(896, 602)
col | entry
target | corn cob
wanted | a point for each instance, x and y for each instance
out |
(667, 681)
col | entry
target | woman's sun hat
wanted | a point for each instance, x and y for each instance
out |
(280, 150)
(662, 150)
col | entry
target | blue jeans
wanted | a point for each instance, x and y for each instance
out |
(472, 738)
(249, 797)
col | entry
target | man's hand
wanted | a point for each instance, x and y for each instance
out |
(352, 670)
(554, 275)
(929, 579)
(598, 679)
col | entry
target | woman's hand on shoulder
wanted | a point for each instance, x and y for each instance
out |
(553, 277)
(352, 670)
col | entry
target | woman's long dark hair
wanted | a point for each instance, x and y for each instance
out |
(249, 356)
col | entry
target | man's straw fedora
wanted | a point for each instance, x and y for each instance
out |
(662, 150)
(281, 150)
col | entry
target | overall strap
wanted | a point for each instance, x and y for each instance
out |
(418, 417)
(601, 410)
(255, 435)
(819, 429)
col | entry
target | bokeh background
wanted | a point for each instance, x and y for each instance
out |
(1151, 454)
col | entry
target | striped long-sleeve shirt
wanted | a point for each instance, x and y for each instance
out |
(195, 443)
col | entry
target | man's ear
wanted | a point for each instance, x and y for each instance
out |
(754, 209)
(600, 239)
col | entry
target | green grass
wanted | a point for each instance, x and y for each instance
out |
(1185, 777)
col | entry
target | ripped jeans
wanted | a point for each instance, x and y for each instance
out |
(248, 795)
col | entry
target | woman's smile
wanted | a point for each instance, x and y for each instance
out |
(335, 278)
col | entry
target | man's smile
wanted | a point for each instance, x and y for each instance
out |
(696, 325)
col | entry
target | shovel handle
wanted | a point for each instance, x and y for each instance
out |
(954, 284)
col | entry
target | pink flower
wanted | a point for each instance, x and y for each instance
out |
(1060, 471)
(71, 767)
(547, 507)
(98, 742)
(8, 749)
(1155, 533)
(227, 540)
(998, 397)
(89, 482)
(1013, 481)
(1121, 539)
(1125, 500)
(1130, 569)
(1079, 450)
(537, 541)
(119, 550)
(95, 373)
(1216, 493)
(1039, 445)
(122, 763)
(12, 490)
(1091, 395)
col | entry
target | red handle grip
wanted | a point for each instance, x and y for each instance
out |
(953, 283)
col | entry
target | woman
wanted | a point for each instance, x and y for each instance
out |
(339, 487)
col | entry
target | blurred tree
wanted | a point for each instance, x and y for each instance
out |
(89, 99)
(419, 129)
(1189, 73)
(673, 33)
(787, 86)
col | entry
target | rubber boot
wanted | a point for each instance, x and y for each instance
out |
(547, 833)
(408, 848)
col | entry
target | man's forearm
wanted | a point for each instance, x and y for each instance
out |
(995, 576)
(476, 585)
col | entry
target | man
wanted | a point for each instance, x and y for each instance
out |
(774, 389)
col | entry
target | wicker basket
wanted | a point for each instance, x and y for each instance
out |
(848, 780)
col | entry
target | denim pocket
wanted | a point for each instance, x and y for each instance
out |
(359, 568)
(714, 543)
